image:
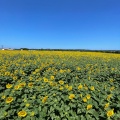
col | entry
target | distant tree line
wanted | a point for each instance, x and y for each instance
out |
(79, 50)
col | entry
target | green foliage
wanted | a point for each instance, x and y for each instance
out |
(59, 86)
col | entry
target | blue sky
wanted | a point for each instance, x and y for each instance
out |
(65, 24)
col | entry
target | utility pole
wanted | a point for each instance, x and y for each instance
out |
(1, 47)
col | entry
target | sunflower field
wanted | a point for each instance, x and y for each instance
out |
(59, 85)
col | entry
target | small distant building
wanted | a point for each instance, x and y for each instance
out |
(7, 49)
